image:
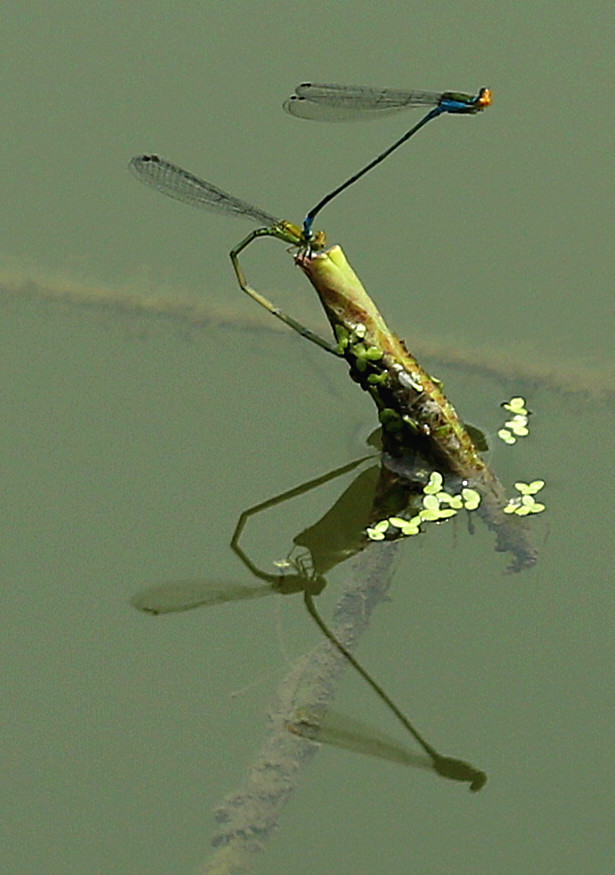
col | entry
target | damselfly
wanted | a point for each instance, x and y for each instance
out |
(177, 183)
(356, 102)
(347, 733)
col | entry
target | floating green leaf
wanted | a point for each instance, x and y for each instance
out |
(529, 488)
(525, 503)
(517, 425)
(434, 484)
(454, 501)
(377, 532)
(407, 527)
(471, 498)
(516, 405)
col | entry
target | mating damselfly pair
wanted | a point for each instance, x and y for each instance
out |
(325, 103)
(312, 102)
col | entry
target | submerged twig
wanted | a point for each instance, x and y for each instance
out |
(248, 817)
(138, 300)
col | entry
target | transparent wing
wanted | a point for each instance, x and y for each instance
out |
(322, 102)
(184, 186)
(184, 595)
(346, 732)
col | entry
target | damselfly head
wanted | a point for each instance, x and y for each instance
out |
(484, 99)
(318, 241)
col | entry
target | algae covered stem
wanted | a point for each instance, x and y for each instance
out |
(412, 407)
(410, 402)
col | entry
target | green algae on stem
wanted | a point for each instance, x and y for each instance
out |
(410, 401)
(412, 407)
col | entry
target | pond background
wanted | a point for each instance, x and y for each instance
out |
(131, 444)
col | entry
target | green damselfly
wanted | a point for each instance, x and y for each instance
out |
(184, 186)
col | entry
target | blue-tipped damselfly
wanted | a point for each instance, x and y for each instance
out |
(356, 102)
(184, 186)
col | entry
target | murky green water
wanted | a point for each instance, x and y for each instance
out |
(131, 444)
